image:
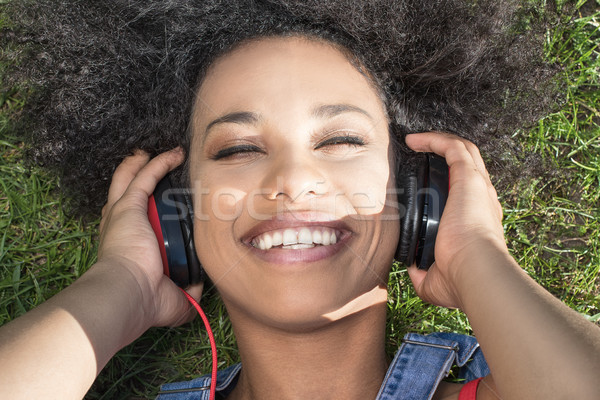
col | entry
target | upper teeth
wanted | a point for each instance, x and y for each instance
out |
(296, 238)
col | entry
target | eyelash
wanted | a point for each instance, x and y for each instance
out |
(349, 140)
(233, 150)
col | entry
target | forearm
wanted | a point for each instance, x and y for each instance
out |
(57, 349)
(536, 346)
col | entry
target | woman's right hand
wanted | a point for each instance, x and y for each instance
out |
(127, 239)
(68, 339)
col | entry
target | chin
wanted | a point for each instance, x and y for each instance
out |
(299, 324)
(297, 311)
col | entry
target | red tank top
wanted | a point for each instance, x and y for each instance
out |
(469, 390)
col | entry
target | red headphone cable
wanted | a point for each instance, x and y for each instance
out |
(213, 345)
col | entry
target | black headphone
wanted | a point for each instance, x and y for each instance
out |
(423, 189)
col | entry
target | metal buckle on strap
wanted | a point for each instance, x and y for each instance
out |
(438, 346)
(198, 389)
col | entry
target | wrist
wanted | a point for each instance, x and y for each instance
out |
(118, 297)
(477, 264)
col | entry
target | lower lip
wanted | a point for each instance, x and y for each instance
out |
(295, 256)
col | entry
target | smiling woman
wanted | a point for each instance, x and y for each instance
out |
(292, 138)
(312, 162)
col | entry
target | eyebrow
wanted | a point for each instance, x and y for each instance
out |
(332, 110)
(242, 118)
(250, 118)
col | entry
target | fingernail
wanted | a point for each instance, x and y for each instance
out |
(139, 152)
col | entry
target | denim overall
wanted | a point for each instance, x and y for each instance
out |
(414, 374)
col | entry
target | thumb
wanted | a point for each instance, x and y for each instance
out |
(182, 311)
(195, 290)
(417, 276)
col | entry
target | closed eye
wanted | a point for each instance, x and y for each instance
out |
(240, 150)
(354, 141)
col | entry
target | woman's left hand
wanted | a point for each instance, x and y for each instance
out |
(536, 347)
(471, 221)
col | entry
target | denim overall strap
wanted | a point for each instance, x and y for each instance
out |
(423, 361)
(418, 367)
(199, 388)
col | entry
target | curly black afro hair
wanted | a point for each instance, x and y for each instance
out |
(112, 76)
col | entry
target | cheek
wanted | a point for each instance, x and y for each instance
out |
(216, 207)
(368, 188)
(224, 204)
(217, 201)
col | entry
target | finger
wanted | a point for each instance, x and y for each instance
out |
(493, 194)
(131, 168)
(148, 177)
(123, 176)
(461, 155)
(477, 159)
(442, 142)
(480, 165)
(454, 150)
(451, 147)
(446, 145)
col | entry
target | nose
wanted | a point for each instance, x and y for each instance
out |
(295, 178)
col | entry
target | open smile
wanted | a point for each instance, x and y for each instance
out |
(284, 240)
(305, 237)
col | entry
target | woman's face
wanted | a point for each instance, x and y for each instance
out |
(291, 170)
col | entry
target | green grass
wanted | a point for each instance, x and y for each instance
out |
(552, 226)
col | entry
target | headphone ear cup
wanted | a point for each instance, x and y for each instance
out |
(435, 195)
(410, 180)
(171, 217)
(195, 270)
